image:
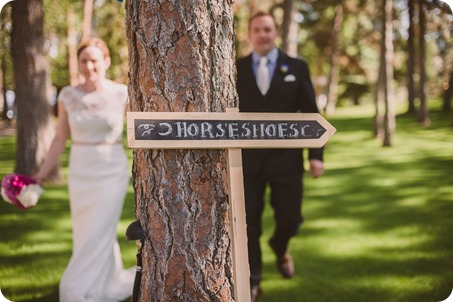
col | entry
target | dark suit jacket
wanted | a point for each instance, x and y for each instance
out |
(291, 90)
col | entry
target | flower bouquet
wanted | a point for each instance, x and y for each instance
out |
(20, 190)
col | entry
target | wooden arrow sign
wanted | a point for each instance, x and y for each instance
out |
(233, 131)
(207, 130)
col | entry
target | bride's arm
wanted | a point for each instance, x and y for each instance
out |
(57, 147)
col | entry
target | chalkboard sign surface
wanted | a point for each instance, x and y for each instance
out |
(226, 130)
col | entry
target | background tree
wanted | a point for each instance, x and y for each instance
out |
(87, 19)
(72, 45)
(35, 128)
(444, 25)
(411, 62)
(385, 93)
(289, 29)
(243, 9)
(62, 30)
(4, 42)
(387, 54)
(108, 23)
(448, 95)
(423, 114)
(332, 81)
(6, 82)
(3, 105)
(182, 59)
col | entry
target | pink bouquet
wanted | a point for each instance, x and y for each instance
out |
(20, 190)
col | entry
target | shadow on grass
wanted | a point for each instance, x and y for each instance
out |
(34, 254)
(375, 232)
(51, 294)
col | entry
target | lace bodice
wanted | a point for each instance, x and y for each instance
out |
(95, 117)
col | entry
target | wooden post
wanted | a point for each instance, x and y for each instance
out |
(241, 269)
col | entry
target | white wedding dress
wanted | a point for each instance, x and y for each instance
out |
(98, 179)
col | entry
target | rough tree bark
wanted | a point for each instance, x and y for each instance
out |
(182, 59)
(35, 128)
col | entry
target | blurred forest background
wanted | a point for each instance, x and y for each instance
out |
(341, 40)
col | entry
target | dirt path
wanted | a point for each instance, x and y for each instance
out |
(7, 129)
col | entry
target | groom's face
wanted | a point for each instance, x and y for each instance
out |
(262, 34)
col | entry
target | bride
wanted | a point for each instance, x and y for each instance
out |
(92, 114)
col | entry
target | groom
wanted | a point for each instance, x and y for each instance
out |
(271, 81)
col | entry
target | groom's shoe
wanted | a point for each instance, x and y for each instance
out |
(286, 266)
(284, 263)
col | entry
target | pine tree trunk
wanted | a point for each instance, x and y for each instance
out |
(87, 19)
(5, 34)
(378, 97)
(411, 59)
(389, 116)
(448, 95)
(289, 29)
(423, 116)
(332, 82)
(4, 107)
(35, 128)
(72, 48)
(182, 59)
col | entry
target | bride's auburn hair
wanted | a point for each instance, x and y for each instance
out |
(94, 42)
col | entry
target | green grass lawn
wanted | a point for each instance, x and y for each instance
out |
(377, 223)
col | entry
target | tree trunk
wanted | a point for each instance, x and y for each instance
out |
(35, 128)
(423, 116)
(387, 52)
(332, 82)
(181, 60)
(87, 19)
(5, 18)
(254, 6)
(4, 107)
(72, 48)
(289, 29)
(411, 60)
(448, 94)
(378, 97)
